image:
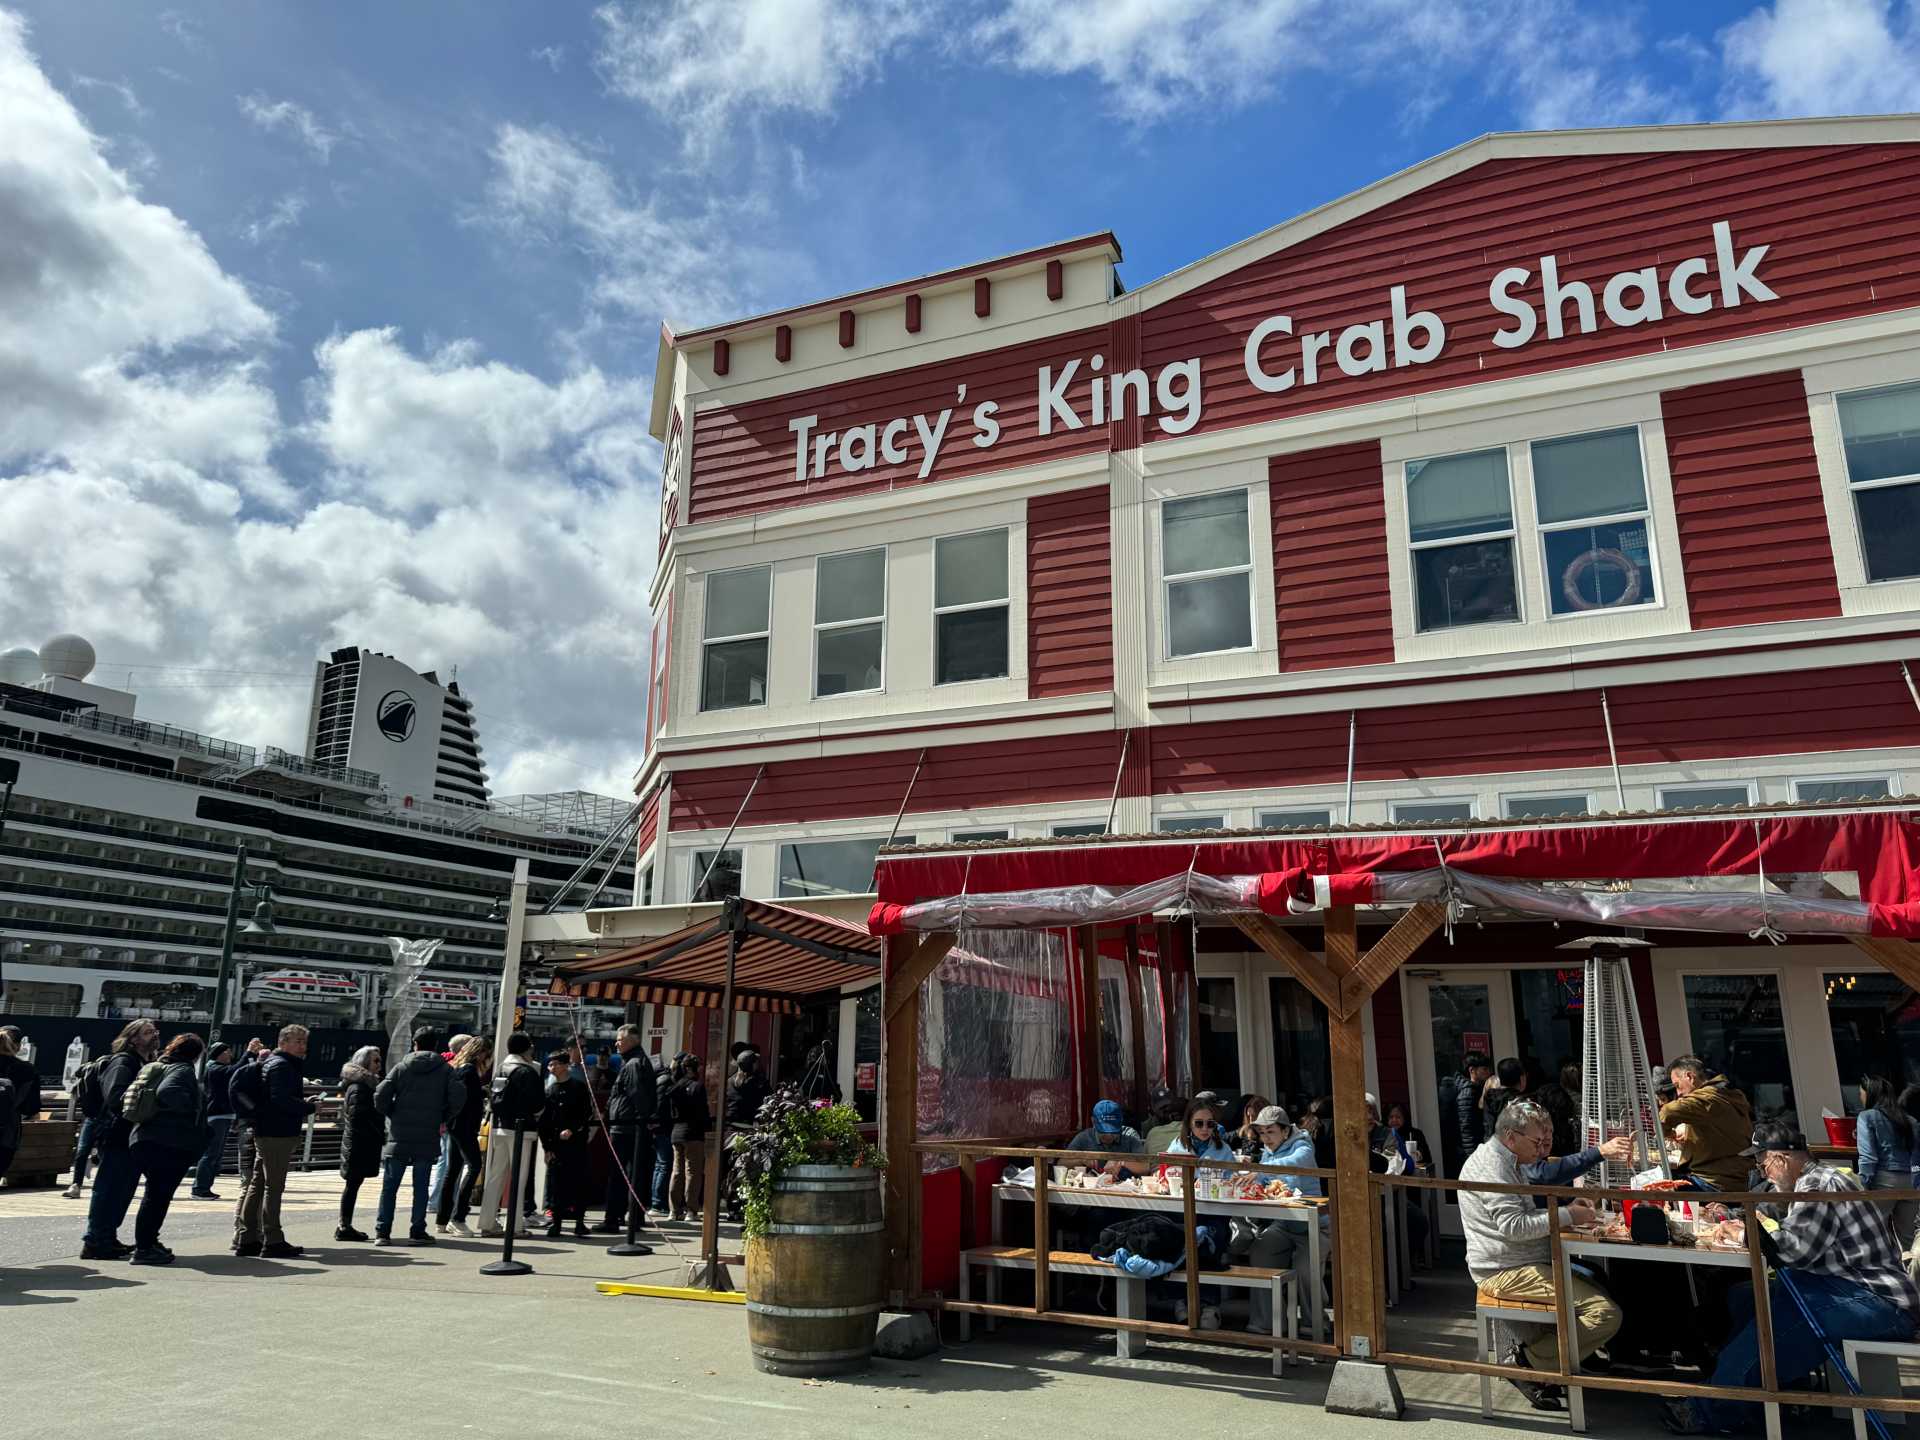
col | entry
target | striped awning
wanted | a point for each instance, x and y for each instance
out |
(785, 955)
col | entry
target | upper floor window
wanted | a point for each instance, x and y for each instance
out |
(716, 875)
(1704, 797)
(1295, 819)
(1079, 827)
(830, 867)
(1432, 812)
(1460, 527)
(1880, 430)
(1855, 787)
(849, 622)
(961, 836)
(1547, 807)
(1176, 824)
(970, 607)
(733, 669)
(1206, 565)
(1595, 532)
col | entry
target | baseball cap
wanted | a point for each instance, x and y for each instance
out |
(1775, 1135)
(1109, 1118)
(1272, 1115)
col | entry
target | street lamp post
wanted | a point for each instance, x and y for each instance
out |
(260, 924)
(9, 773)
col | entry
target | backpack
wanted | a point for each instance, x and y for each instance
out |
(248, 1087)
(87, 1086)
(141, 1100)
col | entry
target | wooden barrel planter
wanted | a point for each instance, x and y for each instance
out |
(814, 1280)
(46, 1151)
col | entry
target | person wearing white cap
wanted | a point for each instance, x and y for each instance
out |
(1282, 1243)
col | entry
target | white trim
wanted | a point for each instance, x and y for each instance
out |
(1245, 567)
(1826, 385)
(1891, 777)
(820, 626)
(1161, 485)
(1803, 1011)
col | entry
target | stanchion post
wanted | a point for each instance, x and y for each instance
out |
(631, 1245)
(506, 1264)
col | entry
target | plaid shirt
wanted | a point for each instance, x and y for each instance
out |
(1851, 1242)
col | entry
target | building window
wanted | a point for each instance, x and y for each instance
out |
(723, 883)
(1219, 1036)
(1859, 787)
(1880, 430)
(1295, 819)
(1206, 561)
(1735, 1024)
(1460, 526)
(962, 836)
(733, 671)
(849, 622)
(1432, 812)
(1595, 533)
(970, 609)
(1876, 1030)
(1176, 824)
(646, 886)
(828, 867)
(1089, 827)
(1704, 797)
(1547, 807)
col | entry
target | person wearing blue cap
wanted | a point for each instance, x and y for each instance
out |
(1111, 1133)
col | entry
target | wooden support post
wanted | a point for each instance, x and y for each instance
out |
(1762, 1304)
(1042, 1237)
(1360, 1332)
(1141, 1090)
(1900, 958)
(900, 1061)
(1192, 1174)
(1089, 946)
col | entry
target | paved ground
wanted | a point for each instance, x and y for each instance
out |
(350, 1338)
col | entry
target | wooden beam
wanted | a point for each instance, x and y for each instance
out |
(899, 1118)
(1356, 1222)
(922, 959)
(1088, 944)
(1898, 957)
(1395, 948)
(1137, 1009)
(1306, 967)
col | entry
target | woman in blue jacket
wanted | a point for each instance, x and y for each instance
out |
(1200, 1135)
(1282, 1244)
(1885, 1135)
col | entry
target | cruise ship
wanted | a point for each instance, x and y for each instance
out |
(119, 844)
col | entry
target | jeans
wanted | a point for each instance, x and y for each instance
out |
(113, 1186)
(256, 1219)
(164, 1166)
(83, 1148)
(662, 1169)
(437, 1186)
(216, 1152)
(1845, 1310)
(391, 1169)
(455, 1199)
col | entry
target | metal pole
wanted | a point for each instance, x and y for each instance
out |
(510, 970)
(1912, 689)
(1353, 741)
(506, 1264)
(1613, 755)
(901, 813)
(745, 801)
(223, 977)
(710, 1222)
(1113, 805)
(6, 804)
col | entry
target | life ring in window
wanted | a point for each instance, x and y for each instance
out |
(1571, 577)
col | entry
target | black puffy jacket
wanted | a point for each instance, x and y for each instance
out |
(363, 1133)
(283, 1107)
(635, 1095)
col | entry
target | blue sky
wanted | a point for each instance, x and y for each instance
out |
(353, 307)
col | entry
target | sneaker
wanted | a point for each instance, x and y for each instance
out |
(382, 1240)
(113, 1251)
(679, 1217)
(72, 1192)
(1209, 1318)
(152, 1255)
(202, 1195)
(490, 1232)
(1540, 1397)
(421, 1237)
(349, 1234)
(1254, 1327)
(580, 1231)
(458, 1227)
(281, 1250)
(608, 1228)
(552, 1232)
(246, 1249)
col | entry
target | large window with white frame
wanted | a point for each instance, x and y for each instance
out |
(1181, 824)
(734, 635)
(1547, 807)
(1851, 787)
(1596, 531)
(850, 622)
(1461, 532)
(1206, 568)
(1705, 797)
(971, 610)
(1431, 812)
(1880, 432)
(1295, 819)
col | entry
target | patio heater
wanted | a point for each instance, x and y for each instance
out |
(1616, 1078)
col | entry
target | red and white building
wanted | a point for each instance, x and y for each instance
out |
(1560, 474)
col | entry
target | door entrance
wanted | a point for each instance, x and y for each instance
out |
(1449, 1013)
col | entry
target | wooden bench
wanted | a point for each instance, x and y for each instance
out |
(45, 1153)
(1130, 1290)
(1488, 1310)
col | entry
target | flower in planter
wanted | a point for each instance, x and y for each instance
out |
(792, 1131)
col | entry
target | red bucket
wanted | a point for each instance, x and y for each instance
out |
(1840, 1130)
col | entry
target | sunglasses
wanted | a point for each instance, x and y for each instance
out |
(1203, 1124)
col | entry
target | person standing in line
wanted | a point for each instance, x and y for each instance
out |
(437, 1185)
(215, 1081)
(166, 1142)
(519, 1099)
(115, 1180)
(255, 1053)
(692, 1118)
(86, 1089)
(273, 1101)
(363, 1134)
(473, 1068)
(563, 1134)
(663, 1081)
(630, 1105)
(19, 1096)
(420, 1098)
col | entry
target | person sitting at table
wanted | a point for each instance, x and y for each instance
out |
(1510, 1255)
(1889, 1145)
(1167, 1110)
(1565, 1169)
(1406, 1138)
(1711, 1120)
(1200, 1136)
(1842, 1260)
(1244, 1138)
(1110, 1132)
(1281, 1244)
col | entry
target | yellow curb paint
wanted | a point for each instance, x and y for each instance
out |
(672, 1292)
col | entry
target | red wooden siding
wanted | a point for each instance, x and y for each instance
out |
(649, 821)
(1841, 221)
(1330, 584)
(1390, 1051)
(1754, 540)
(1069, 594)
(743, 456)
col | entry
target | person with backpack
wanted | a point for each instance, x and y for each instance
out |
(420, 1098)
(118, 1175)
(215, 1080)
(86, 1091)
(518, 1099)
(270, 1097)
(168, 1109)
(19, 1098)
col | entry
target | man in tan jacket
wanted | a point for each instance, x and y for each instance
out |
(1712, 1122)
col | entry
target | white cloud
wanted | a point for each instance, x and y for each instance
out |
(120, 88)
(1823, 57)
(554, 56)
(296, 119)
(283, 214)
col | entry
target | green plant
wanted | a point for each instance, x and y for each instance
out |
(790, 1130)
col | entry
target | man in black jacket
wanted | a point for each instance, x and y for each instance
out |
(277, 1117)
(563, 1134)
(630, 1107)
(23, 1080)
(1463, 1125)
(215, 1080)
(420, 1097)
(114, 1182)
(519, 1099)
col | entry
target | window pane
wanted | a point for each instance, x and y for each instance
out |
(1890, 530)
(1865, 787)
(724, 883)
(1302, 1053)
(850, 587)
(970, 645)
(828, 867)
(1091, 827)
(1599, 567)
(1176, 824)
(1881, 430)
(961, 836)
(1876, 1030)
(1294, 819)
(1208, 615)
(970, 568)
(1546, 807)
(1465, 585)
(1588, 475)
(1219, 1037)
(735, 674)
(1686, 797)
(1735, 1024)
(737, 601)
(1437, 812)
(1206, 532)
(849, 660)
(1458, 495)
